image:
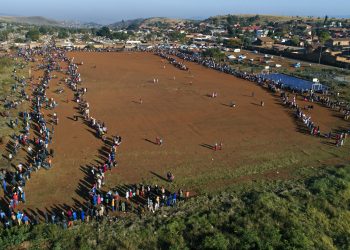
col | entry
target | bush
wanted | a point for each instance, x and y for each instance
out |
(215, 242)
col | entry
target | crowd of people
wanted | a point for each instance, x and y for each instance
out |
(34, 139)
(274, 86)
(38, 131)
(38, 127)
(171, 60)
(101, 202)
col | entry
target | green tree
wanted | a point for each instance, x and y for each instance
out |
(246, 40)
(233, 43)
(214, 53)
(43, 30)
(171, 235)
(323, 35)
(94, 31)
(325, 20)
(3, 35)
(295, 41)
(177, 36)
(215, 242)
(19, 40)
(130, 33)
(120, 36)
(104, 31)
(62, 34)
(215, 21)
(133, 26)
(231, 19)
(230, 31)
(33, 35)
(85, 38)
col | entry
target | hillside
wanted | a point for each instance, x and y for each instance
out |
(155, 20)
(126, 23)
(147, 22)
(91, 25)
(264, 19)
(32, 20)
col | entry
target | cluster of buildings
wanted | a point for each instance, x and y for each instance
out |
(311, 40)
(305, 39)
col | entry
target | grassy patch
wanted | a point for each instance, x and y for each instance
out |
(308, 213)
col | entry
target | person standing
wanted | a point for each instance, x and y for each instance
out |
(117, 205)
(23, 197)
(4, 186)
(74, 215)
(98, 199)
(82, 215)
(15, 199)
(127, 195)
(123, 207)
(187, 195)
(113, 204)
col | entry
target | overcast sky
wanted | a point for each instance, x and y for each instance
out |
(108, 11)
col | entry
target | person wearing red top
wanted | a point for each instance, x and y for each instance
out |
(15, 199)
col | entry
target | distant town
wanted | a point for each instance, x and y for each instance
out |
(318, 40)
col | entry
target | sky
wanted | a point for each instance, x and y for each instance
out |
(109, 11)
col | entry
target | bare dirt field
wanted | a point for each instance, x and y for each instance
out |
(256, 139)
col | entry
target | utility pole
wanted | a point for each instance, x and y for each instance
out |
(319, 59)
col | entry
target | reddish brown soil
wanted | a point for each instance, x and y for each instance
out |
(177, 111)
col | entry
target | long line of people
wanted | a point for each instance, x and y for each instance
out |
(171, 60)
(39, 155)
(34, 140)
(101, 204)
(273, 86)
